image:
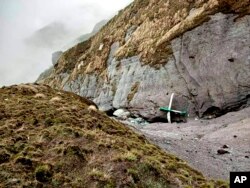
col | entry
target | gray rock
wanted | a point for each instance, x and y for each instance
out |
(121, 113)
(138, 121)
(208, 72)
(212, 59)
(45, 74)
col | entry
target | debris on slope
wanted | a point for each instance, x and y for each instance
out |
(211, 146)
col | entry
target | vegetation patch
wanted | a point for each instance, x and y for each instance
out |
(134, 90)
(4, 157)
(43, 173)
(77, 147)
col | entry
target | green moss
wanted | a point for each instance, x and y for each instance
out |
(132, 51)
(99, 175)
(135, 174)
(151, 183)
(46, 136)
(16, 148)
(89, 148)
(48, 122)
(109, 185)
(43, 173)
(128, 156)
(74, 151)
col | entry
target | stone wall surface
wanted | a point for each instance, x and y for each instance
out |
(209, 72)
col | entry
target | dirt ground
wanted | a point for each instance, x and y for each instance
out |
(198, 142)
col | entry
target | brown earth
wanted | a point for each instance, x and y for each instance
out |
(51, 138)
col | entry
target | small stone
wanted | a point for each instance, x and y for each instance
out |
(40, 96)
(247, 157)
(225, 146)
(14, 181)
(235, 136)
(222, 152)
(56, 99)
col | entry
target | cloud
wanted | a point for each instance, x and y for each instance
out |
(20, 19)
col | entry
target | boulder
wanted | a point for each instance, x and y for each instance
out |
(121, 113)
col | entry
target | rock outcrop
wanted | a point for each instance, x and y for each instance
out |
(198, 50)
(56, 55)
(51, 138)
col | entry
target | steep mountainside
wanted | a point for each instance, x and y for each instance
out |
(50, 138)
(57, 55)
(197, 49)
(85, 37)
(49, 36)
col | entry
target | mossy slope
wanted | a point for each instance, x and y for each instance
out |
(51, 138)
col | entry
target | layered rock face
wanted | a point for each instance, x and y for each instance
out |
(198, 50)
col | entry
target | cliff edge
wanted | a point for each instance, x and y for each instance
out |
(197, 49)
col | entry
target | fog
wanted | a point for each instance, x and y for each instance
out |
(31, 30)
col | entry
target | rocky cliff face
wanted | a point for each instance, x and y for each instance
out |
(198, 50)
